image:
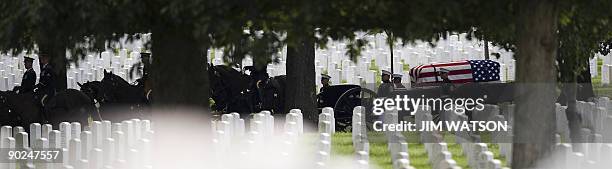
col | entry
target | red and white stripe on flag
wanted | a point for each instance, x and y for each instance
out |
(459, 72)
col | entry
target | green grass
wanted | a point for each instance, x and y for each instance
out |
(600, 89)
(381, 157)
(342, 145)
(374, 67)
(405, 65)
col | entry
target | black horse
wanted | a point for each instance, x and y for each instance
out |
(234, 91)
(117, 99)
(229, 89)
(22, 109)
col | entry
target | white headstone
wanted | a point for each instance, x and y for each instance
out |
(96, 132)
(119, 139)
(74, 150)
(55, 139)
(35, 131)
(46, 128)
(75, 128)
(86, 143)
(6, 131)
(66, 131)
(21, 140)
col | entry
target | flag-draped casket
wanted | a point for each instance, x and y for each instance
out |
(459, 72)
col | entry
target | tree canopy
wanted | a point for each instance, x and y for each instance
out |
(260, 28)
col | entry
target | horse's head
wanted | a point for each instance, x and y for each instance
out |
(218, 90)
(114, 81)
(94, 90)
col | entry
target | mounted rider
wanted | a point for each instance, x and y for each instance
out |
(144, 81)
(45, 88)
(29, 77)
(145, 59)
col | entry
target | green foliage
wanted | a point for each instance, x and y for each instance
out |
(261, 28)
(583, 27)
(373, 65)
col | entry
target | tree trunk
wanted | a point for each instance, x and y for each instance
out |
(536, 82)
(179, 70)
(180, 97)
(390, 41)
(585, 87)
(57, 52)
(486, 49)
(571, 112)
(300, 88)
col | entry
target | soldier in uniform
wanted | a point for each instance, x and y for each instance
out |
(385, 87)
(447, 84)
(46, 84)
(29, 77)
(397, 81)
(325, 82)
(145, 59)
(322, 100)
(144, 82)
(447, 87)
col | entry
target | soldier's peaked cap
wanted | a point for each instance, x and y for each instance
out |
(384, 72)
(28, 59)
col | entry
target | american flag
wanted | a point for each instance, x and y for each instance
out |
(459, 72)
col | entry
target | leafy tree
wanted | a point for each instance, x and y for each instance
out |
(49, 27)
(583, 30)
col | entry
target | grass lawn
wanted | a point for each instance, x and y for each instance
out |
(598, 88)
(380, 156)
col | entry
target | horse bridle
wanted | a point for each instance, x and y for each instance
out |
(95, 92)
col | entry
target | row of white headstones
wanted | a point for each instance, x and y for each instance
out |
(477, 153)
(260, 142)
(591, 153)
(593, 150)
(90, 68)
(595, 135)
(125, 145)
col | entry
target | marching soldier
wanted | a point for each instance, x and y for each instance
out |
(29, 77)
(397, 81)
(385, 87)
(46, 83)
(325, 82)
